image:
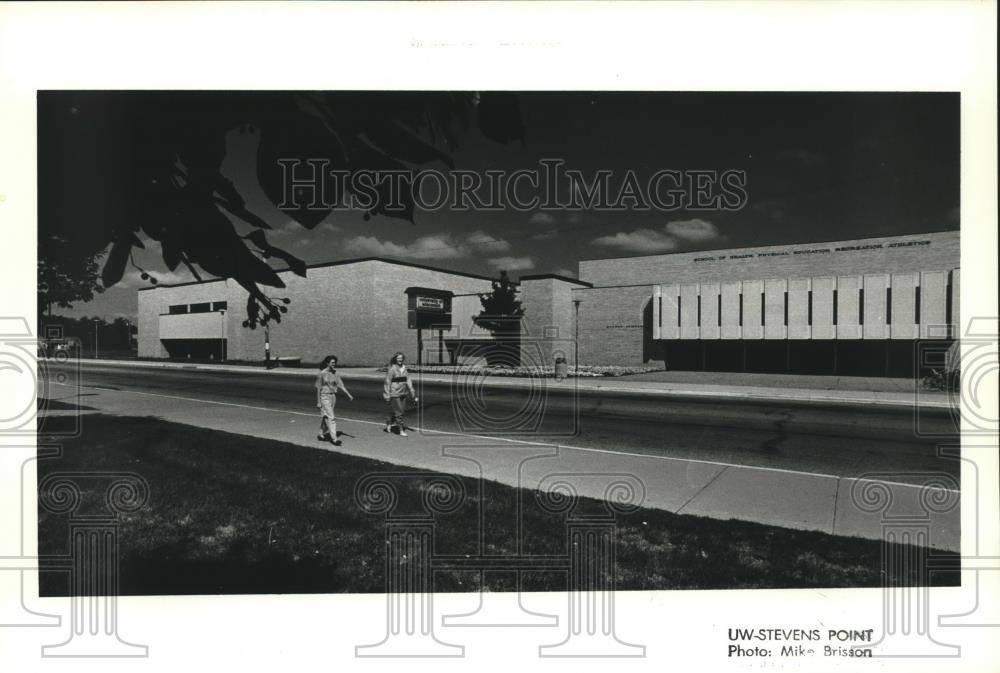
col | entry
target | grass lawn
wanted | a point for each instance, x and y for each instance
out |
(235, 514)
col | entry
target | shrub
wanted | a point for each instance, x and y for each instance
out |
(584, 371)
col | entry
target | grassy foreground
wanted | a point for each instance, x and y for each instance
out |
(235, 514)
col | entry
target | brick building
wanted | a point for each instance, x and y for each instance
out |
(849, 307)
(862, 307)
(355, 309)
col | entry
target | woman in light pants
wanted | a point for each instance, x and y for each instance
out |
(328, 382)
(398, 388)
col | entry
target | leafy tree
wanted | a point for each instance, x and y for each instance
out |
(501, 310)
(64, 275)
(113, 164)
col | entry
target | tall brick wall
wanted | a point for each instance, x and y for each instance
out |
(612, 328)
(356, 310)
(549, 323)
(919, 252)
(389, 332)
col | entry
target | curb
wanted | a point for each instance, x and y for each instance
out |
(805, 396)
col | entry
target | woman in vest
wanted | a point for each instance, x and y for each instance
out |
(397, 390)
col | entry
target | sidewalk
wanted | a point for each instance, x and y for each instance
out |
(778, 497)
(895, 394)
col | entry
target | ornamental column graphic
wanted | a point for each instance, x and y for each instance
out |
(491, 567)
(93, 559)
(409, 544)
(907, 523)
(591, 547)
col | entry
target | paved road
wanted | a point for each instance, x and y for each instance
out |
(841, 441)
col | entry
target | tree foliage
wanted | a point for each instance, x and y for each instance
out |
(114, 164)
(64, 275)
(501, 310)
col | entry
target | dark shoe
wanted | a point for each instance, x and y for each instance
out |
(322, 438)
(337, 442)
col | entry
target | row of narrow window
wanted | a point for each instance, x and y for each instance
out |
(809, 301)
(202, 307)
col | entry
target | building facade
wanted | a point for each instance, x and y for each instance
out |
(849, 307)
(354, 309)
(864, 307)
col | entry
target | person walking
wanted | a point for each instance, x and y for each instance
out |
(328, 382)
(397, 391)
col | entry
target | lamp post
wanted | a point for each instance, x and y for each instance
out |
(128, 335)
(222, 335)
(96, 330)
(576, 334)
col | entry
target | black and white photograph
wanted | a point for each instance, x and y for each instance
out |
(521, 358)
(264, 292)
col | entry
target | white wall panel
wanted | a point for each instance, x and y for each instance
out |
(875, 326)
(956, 318)
(822, 299)
(710, 311)
(193, 326)
(903, 323)
(752, 327)
(669, 328)
(731, 310)
(774, 308)
(798, 308)
(848, 305)
(933, 289)
(689, 311)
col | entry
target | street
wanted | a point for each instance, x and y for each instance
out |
(842, 441)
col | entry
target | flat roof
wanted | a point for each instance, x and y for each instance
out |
(773, 245)
(556, 276)
(341, 262)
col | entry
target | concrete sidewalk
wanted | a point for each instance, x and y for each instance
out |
(638, 384)
(771, 496)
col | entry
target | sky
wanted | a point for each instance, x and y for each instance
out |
(817, 166)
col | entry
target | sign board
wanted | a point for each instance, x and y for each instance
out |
(428, 308)
(429, 303)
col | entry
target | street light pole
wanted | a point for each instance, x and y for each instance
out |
(222, 334)
(96, 323)
(576, 334)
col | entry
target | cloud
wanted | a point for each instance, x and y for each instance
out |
(291, 228)
(694, 231)
(562, 271)
(483, 242)
(640, 240)
(426, 247)
(513, 263)
(439, 246)
(545, 235)
(542, 218)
